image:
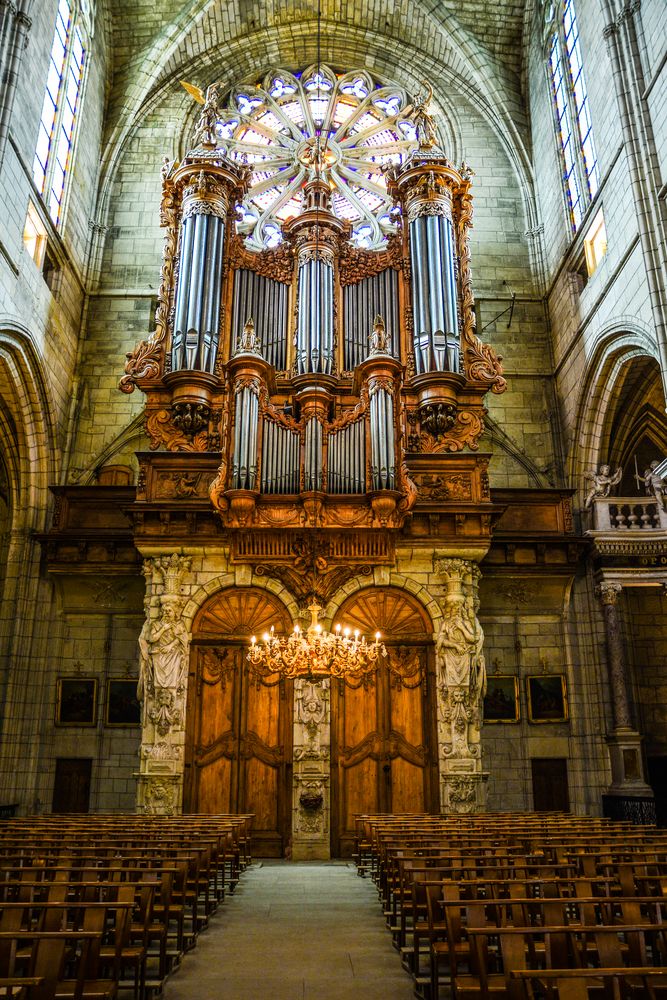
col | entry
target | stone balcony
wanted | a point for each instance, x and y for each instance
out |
(628, 514)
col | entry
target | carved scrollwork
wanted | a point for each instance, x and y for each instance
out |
(354, 264)
(190, 418)
(146, 360)
(465, 432)
(350, 416)
(161, 430)
(406, 669)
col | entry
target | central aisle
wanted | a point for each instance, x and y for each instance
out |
(311, 931)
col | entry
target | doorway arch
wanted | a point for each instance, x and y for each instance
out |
(238, 750)
(383, 734)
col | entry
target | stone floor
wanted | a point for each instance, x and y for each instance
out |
(310, 931)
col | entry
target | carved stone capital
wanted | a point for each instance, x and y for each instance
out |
(607, 593)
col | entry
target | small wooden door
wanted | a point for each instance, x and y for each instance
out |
(383, 733)
(550, 788)
(71, 789)
(239, 731)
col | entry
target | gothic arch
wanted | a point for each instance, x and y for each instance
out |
(617, 347)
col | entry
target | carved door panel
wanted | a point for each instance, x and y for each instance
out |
(383, 733)
(238, 755)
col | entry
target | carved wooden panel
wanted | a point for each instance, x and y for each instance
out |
(383, 752)
(388, 610)
(240, 612)
(239, 744)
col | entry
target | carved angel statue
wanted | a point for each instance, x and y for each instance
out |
(601, 483)
(655, 484)
(204, 133)
(379, 338)
(418, 113)
(163, 647)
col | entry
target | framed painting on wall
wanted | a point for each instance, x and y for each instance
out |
(501, 701)
(76, 701)
(123, 708)
(547, 698)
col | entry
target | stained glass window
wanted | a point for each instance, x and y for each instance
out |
(275, 125)
(56, 127)
(572, 113)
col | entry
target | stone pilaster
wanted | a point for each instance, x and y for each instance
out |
(164, 646)
(311, 785)
(627, 767)
(461, 684)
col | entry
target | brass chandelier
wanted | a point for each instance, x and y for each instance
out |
(315, 653)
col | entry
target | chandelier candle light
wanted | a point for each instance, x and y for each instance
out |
(315, 653)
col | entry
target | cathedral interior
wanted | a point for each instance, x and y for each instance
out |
(361, 308)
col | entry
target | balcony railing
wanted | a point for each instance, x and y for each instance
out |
(628, 514)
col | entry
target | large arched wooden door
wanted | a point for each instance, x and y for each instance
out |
(383, 734)
(238, 753)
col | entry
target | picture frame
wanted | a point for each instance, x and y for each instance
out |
(122, 705)
(501, 701)
(76, 701)
(547, 698)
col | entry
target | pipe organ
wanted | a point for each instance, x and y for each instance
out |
(335, 383)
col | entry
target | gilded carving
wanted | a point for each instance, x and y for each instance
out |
(355, 264)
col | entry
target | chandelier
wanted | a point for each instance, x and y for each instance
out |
(315, 653)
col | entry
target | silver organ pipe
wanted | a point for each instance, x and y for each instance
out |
(436, 338)
(197, 310)
(383, 453)
(266, 301)
(347, 459)
(313, 456)
(314, 334)
(244, 461)
(362, 302)
(280, 459)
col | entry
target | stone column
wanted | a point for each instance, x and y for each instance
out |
(627, 768)
(311, 785)
(164, 647)
(461, 685)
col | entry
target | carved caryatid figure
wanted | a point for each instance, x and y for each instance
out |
(459, 645)
(601, 483)
(163, 646)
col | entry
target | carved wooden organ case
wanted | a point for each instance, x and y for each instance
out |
(336, 389)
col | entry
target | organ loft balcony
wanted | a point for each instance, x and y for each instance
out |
(315, 366)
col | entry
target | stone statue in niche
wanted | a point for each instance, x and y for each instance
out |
(163, 646)
(460, 645)
(601, 483)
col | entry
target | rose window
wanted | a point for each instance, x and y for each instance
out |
(349, 126)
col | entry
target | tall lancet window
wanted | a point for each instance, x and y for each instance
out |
(53, 154)
(572, 113)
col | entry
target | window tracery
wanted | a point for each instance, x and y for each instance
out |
(354, 123)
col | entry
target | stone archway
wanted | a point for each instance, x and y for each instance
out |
(238, 748)
(383, 734)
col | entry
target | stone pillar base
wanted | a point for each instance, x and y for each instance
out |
(627, 766)
(463, 792)
(159, 794)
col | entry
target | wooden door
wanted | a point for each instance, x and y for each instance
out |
(71, 789)
(383, 733)
(550, 788)
(239, 730)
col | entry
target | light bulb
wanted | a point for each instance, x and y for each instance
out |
(266, 637)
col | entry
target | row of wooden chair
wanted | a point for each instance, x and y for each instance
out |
(96, 904)
(530, 906)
